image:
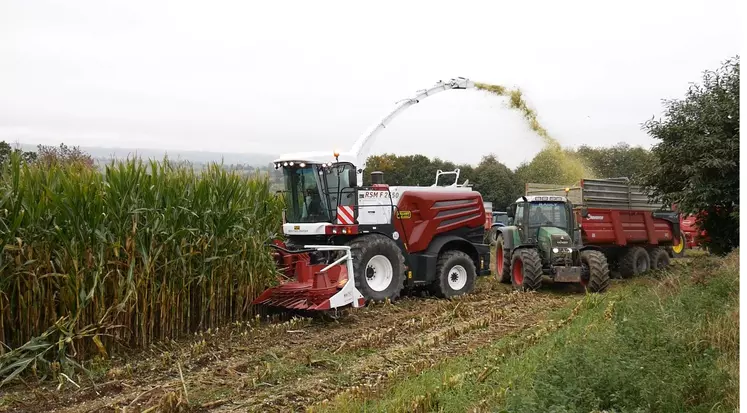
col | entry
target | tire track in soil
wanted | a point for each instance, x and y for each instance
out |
(405, 337)
(479, 323)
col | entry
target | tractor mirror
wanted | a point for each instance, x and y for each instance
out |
(584, 212)
(352, 178)
(510, 212)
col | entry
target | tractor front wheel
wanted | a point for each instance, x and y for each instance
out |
(379, 267)
(595, 276)
(526, 270)
(502, 262)
(456, 274)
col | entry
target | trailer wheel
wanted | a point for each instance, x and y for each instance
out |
(379, 267)
(635, 261)
(526, 270)
(595, 276)
(502, 262)
(456, 274)
(659, 258)
(678, 251)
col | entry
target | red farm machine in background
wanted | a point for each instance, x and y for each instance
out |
(346, 243)
(618, 219)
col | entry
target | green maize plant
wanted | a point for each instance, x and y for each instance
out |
(144, 252)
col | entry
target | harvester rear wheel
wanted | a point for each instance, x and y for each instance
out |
(379, 267)
(502, 262)
(596, 275)
(456, 274)
(659, 258)
(526, 270)
(635, 261)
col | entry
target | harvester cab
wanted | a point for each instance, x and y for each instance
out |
(394, 236)
(543, 239)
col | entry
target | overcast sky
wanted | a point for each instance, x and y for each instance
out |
(278, 76)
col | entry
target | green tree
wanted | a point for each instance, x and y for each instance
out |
(496, 182)
(697, 155)
(554, 166)
(617, 161)
(6, 150)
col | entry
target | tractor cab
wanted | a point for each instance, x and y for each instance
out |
(544, 220)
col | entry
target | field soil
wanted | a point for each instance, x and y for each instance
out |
(285, 366)
(316, 364)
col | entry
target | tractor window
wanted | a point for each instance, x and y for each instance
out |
(551, 214)
(303, 197)
(519, 215)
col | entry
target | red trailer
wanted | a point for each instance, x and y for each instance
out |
(618, 218)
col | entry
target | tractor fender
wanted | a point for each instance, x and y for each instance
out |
(590, 247)
(508, 237)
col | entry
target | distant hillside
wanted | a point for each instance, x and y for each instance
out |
(198, 157)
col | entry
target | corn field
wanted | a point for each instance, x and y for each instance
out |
(144, 252)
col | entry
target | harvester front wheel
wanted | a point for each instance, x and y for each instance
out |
(635, 261)
(596, 273)
(456, 274)
(526, 270)
(502, 262)
(379, 267)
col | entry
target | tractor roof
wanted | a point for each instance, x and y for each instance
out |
(544, 198)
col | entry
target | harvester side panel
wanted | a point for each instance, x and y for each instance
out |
(425, 215)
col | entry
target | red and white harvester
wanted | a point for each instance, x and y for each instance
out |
(346, 243)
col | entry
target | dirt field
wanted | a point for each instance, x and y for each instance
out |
(287, 366)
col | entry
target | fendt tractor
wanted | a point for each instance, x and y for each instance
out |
(346, 243)
(544, 239)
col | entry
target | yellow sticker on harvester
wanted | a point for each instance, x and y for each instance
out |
(404, 214)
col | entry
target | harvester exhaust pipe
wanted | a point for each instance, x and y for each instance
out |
(377, 178)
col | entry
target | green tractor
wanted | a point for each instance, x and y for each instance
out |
(543, 238)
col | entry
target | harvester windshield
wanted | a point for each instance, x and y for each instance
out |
(313, 191)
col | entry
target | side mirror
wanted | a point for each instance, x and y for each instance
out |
(511, 211)
(352, 178)
(584, 212)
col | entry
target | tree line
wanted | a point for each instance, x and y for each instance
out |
(500, 184)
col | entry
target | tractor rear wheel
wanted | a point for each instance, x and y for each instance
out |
(502, 262)
(455, 274)
(379, 267)
(595, 276)
(526, 270)
(659, 258)
(635, 261)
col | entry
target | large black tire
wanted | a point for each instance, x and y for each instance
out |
(635, 261)
(526, 270)
(595, 276)
(374, 254)
(502, 262)
(455, 274)
(659, 258)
